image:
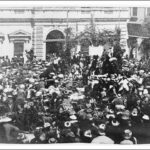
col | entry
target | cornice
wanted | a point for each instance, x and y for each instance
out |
(59, 20)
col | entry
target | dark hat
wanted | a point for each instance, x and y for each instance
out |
(70, 134)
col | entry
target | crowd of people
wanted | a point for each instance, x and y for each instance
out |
(86, 100)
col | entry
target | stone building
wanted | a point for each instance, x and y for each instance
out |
(138, 30)
(42, 28)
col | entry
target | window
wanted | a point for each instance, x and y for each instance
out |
(108, 11)
(85, 10)
(134, 11)
(148, 11)
(18, 49)
(19, 11)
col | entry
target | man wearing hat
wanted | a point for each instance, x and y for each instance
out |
(125, 121)
(102, 138)
(114, 131)
(8, 130)
(128, 138)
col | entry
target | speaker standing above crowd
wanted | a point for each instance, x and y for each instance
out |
(86, 100)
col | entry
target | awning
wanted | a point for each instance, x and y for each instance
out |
(137, 30)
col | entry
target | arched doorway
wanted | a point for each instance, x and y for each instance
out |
(54, 42)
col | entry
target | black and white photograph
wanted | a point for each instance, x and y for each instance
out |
(74, 73)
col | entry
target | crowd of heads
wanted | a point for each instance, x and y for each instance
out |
(85, 100)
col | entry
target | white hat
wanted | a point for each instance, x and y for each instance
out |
(127, 134)
(110, 115)
(102, 126)
(52, 140)
(4, 119)
(111, 111)
(120, 107)
(1, 76)
(145, 91)
(73, 117)
(56, 81)
(140, 89)
(22, 86)
(39, 93)
(1, 87)
(67, 124)
(145, 117)
(31, 80)
(111, 86)
(54, 77)
(88, 133)
(52, 73)
(115, 123)
(8, 90)
(46, 124)
(61, 76)
(112, 59)
(141, 71)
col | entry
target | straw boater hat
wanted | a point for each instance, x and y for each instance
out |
(52, 140)
(73, 117)
(134, 112)
(4, 119)
(145, 91)
(67, 124)
(115, 123)
(145, 117)
(125, 115)
(127, 134)
(112, 59)
(88, 133)
(101, 129)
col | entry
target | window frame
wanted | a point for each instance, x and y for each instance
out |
(147, 11)
(132, 14)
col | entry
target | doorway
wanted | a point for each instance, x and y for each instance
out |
(54, 42)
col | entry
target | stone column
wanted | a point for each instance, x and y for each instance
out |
(39, 42)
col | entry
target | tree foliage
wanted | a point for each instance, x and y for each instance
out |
(145, 47)
(92, 37)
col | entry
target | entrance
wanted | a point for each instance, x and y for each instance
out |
(54, 42)
(18, 49)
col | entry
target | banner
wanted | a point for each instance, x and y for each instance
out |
(96, 50)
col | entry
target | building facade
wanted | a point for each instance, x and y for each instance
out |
(42, 28)
(138, 30)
